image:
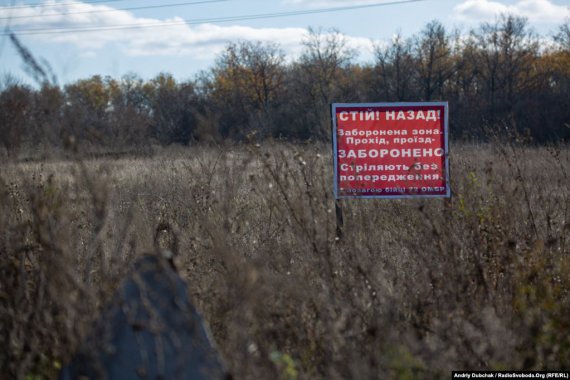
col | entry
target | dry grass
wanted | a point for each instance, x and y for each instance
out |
(414, 289)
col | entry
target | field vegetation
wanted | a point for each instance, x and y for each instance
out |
(412, 289)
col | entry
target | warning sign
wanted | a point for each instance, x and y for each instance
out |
(390, 150)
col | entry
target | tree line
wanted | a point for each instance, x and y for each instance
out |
(499, 75)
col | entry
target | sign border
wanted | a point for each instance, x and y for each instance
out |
(445, 105)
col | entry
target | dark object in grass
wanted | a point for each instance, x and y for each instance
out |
(150, 331)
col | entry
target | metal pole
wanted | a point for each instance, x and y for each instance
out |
(339, 219)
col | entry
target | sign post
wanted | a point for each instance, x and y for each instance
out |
(390, 150)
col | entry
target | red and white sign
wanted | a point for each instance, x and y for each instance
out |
(390, 150)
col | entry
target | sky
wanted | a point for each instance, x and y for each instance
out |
(183, 37)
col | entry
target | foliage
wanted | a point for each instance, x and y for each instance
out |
(500, 74)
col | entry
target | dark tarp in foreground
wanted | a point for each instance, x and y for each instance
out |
(150, 331)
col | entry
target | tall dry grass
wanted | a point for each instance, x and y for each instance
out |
(413, 289)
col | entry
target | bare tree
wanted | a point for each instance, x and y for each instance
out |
(246, 81)
(325, 55)
(172, 107)
(434, 62)
(394, 68)
(503, 53)
(323, 64)
(563, 36)
(16, 105)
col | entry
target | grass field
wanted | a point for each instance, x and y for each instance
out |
(413, 289)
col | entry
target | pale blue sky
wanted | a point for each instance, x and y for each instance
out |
(183, 50)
